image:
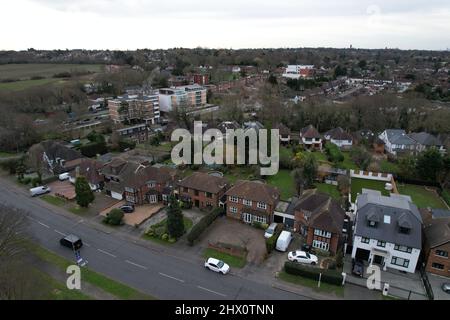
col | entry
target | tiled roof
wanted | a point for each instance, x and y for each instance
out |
(254, 191)
(310, 132)
(204, 182)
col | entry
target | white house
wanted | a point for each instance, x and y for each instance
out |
(339, 137)
(397, 141)
(310, 138)
(298, 71)
(388, 231)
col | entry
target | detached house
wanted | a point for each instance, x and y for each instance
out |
(397, 141)
(202, 190)
(310, 138)
(339, 137)
(426, 141)
(320, 219)
(250, 201)
(90, 169)
(388, 231)
(57, 157)
(285, 133)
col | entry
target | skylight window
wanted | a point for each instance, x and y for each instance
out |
(387, 219)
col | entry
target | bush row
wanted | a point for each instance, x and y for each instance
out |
(328, 276)
(201, 226)
(272, 241)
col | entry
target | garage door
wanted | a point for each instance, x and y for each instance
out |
(116, 195)
(362, 254)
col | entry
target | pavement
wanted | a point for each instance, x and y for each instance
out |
(160, 271)
(436, 283)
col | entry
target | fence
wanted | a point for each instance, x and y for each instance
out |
(371, 175)
(426, 283)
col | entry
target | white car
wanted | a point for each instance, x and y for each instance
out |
(217, 265)
(270, 231)
(39, 191)
(64, 176)
(302, 257)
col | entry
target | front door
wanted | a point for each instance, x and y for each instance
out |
(247, 217)
(378, 259)
(197, 204)
(153, 198)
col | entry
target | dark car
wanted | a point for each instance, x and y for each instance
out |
(358, 268)
(71, 241)
(127, 208)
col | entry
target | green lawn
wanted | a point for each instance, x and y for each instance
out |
(329, 189)
(25, 84)
(109, 285)
(54, 200)
(286, 152)
(238, 173)
(320, 156)
(358, 184)
(421, 197)
(310, 283)
(8, 154)
(79, 210)
(284, 182)
(163, 224)
(233, 261)
(348, 162)
(388, 167)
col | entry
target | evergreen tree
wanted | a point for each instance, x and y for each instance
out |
(84, 194)
(175, 223)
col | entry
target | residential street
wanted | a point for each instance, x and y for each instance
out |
(153, 271)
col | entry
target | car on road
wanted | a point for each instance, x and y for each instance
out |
(302, 257)
(270, 230)
(64, 176)
(217, 265)
(71, 241)
(358, 268)
(39, 191)
(127, 208)
(446, 287)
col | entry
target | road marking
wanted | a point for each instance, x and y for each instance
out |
(135, 264)
(218, 293)
(60, 233)
(107, 253)
(31, 218)
(87, 244)
(170, 277)
(43, 224)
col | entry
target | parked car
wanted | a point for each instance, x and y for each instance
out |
(217, 265)
(283, 241)
(71, 241)
(127, 208)
(302, 257)
(358, 268)
(270, 230)
(64, 176)
(446, 287)
(39, 191)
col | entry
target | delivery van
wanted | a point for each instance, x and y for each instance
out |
(39, 190)
(283, 241)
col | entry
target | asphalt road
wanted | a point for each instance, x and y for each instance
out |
(157, 273)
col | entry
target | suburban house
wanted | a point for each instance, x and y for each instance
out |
(57, 157)
(135, 108)
(228, 125)
(363, 136)
(250, 201)
(320, 219)
(339, 137)
(298, 71)
(426, 141)
(285, 133)
(310, 138)
(202, 190)
(397, 141)
(436, 242)
(90, 169)
(388, 231)
(256, 125)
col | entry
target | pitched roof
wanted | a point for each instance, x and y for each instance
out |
(338, 134)
(437, 232)
(143, 175)
(204, 182)
(255, 191)
(284, 130)
(399, 136)
(309, 132)
(89, 169)
(56, 149)
(425, 139)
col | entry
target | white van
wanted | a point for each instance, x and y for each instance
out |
(283, 241)
(39, 190)
(64, 176)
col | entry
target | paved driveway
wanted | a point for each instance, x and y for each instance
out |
(63, 189)
(140, 214)
(436, 283)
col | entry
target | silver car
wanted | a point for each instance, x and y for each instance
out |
(446, 287)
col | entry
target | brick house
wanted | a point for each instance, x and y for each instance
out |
(202, 190)
(436, 243)
(311, 138)
(320, 219)
(90, 169)
(250, 201)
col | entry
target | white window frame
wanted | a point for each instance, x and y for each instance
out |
(262, 205)
(247, 203)
(233, 210)
(322, 233)
(234, 199)
(321, 245)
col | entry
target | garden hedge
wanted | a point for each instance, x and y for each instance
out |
(201, 226)
(272, 241)
(328, 276)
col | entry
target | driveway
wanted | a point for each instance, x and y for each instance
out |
(63, 189)
(236, 233)
(140, 214)
(436, 283)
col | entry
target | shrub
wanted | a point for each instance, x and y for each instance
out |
(114, 217)
(328, 276)
(25, 181)
(165, 237)
(272, 241)
(260, 225)
(201, 226)
(334, 154)
(339, 259)
(92, 149)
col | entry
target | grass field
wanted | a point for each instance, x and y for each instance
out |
(284, 182)
(347, 163)
(324, 287)
(422, 197)
(359, 184)
(388, 167)
(25, 84)
(328, 189)
(232, 261)
(54, 200)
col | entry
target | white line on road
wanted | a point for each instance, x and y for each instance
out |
(218, 293)
(60, 233)
(167, 276)
(135, 264)
(87, 244)
(107, 253)
(44, 225)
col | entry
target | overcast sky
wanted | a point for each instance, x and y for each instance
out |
(132, 24)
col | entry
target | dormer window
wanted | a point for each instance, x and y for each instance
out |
(372, 224)
(404, 230)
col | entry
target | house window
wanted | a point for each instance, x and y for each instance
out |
(381, 244)
(400, 262)
(209, 195)
(372, 224)
(260, 219)
(365, 240)
(247, 203)
(234, 199)
(321, 245)
(403, 248)
(185, 189)
(437, 266)
(131, 199)
(404, 230)
(233, 210)
(127, 189)
(442, 253)
(262, 205)
(151, 184)
(196, 192)
(321, 233)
